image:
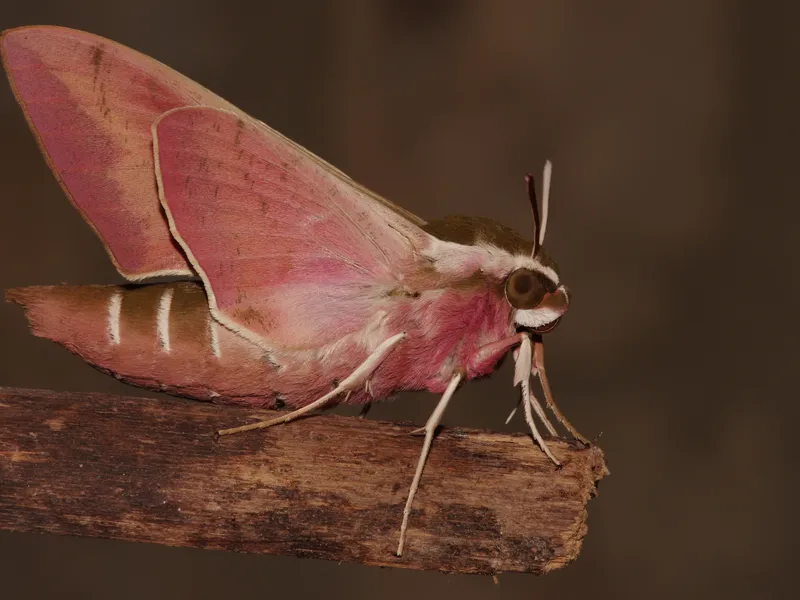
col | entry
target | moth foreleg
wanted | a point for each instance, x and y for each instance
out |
(542, 415)
(523, 370)
(430, 429)
(489, 354)
(539, 411)
(351, 382)
(538, 359)
(522, 376)
(526, 391)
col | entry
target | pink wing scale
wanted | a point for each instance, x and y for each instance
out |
(91, 103)
(292, 253)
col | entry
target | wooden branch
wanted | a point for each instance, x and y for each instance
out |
(326, 487)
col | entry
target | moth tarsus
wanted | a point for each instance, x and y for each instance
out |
(302, 276)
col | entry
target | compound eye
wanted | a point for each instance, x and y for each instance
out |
(525, 289)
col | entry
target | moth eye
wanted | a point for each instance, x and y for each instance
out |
(525, 289)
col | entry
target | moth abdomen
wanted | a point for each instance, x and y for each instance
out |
(160, 336)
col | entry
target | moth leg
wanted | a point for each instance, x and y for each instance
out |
(522, 366)
(513, 412)
(365, 410)
(522, 376)
(491, 353)
(430, 429)
(539, 411)
(538, 357)
(542, 415)
(517, 367)
(532, 424)
(352, 381)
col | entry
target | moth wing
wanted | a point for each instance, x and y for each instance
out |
(91, 103)
(293, 254)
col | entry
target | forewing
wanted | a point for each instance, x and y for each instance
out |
(91, 103)
(292, 253)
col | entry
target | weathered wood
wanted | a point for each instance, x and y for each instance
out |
(326, 487)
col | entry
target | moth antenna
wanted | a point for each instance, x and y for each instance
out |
(531, 182)
(547, 175)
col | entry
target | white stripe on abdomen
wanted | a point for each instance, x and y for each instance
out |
(113, 314)
(162, 318)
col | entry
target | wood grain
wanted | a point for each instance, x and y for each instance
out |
(325, 487)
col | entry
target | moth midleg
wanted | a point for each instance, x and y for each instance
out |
(538, 357)
(351, 382)
(430, 429)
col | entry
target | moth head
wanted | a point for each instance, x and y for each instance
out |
(539, 301)
(535, 291)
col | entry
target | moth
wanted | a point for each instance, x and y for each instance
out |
(292, 285)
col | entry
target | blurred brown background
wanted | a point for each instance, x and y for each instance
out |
(673, 130)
